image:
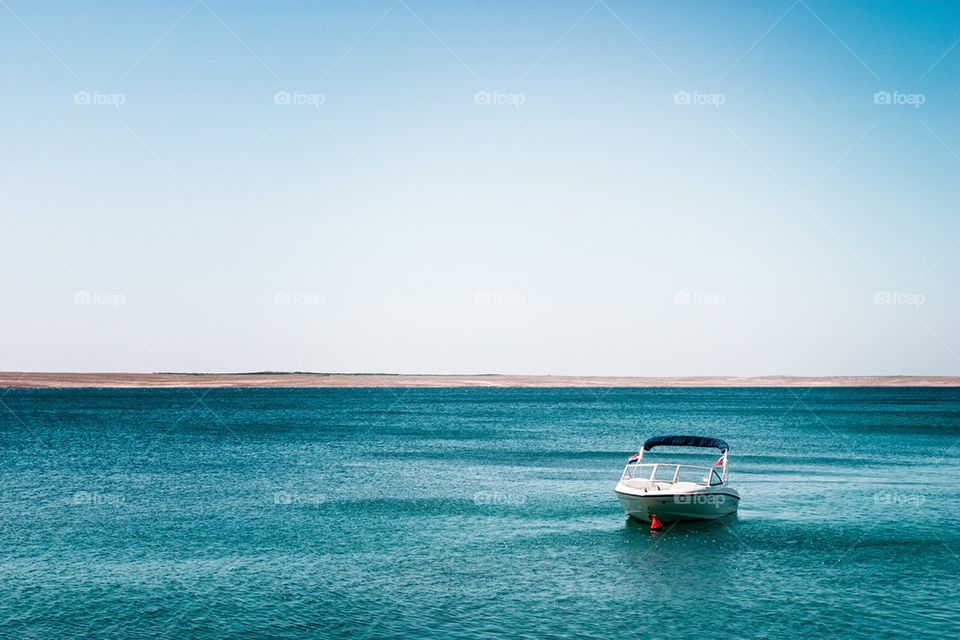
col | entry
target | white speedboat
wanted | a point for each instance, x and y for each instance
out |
(658, 492)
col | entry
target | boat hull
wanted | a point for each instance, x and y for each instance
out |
(678, 507)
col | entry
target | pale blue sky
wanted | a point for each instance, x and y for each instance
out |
(653, 189)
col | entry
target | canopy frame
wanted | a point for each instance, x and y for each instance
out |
(688, 441)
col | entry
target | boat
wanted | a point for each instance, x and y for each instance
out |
(658, 492)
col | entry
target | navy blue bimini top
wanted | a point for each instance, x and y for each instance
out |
(685, 441)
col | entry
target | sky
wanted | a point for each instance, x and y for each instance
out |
(579, 188)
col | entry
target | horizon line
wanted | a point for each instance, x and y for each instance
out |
(299, 379)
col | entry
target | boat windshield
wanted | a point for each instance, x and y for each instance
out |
(668, 473)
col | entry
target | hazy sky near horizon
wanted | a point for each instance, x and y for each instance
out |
(632, 188)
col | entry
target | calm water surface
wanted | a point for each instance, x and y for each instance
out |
(480, 513)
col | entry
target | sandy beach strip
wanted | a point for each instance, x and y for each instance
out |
(364, 380)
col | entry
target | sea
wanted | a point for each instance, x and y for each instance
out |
(472, 513)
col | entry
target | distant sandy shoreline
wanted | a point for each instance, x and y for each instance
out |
(364, 380)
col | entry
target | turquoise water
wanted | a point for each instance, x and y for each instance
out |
(476, 513)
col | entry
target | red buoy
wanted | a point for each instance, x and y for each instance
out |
(654, 523)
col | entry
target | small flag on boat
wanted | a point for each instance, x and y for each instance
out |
(634, 457)
(719, 463)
